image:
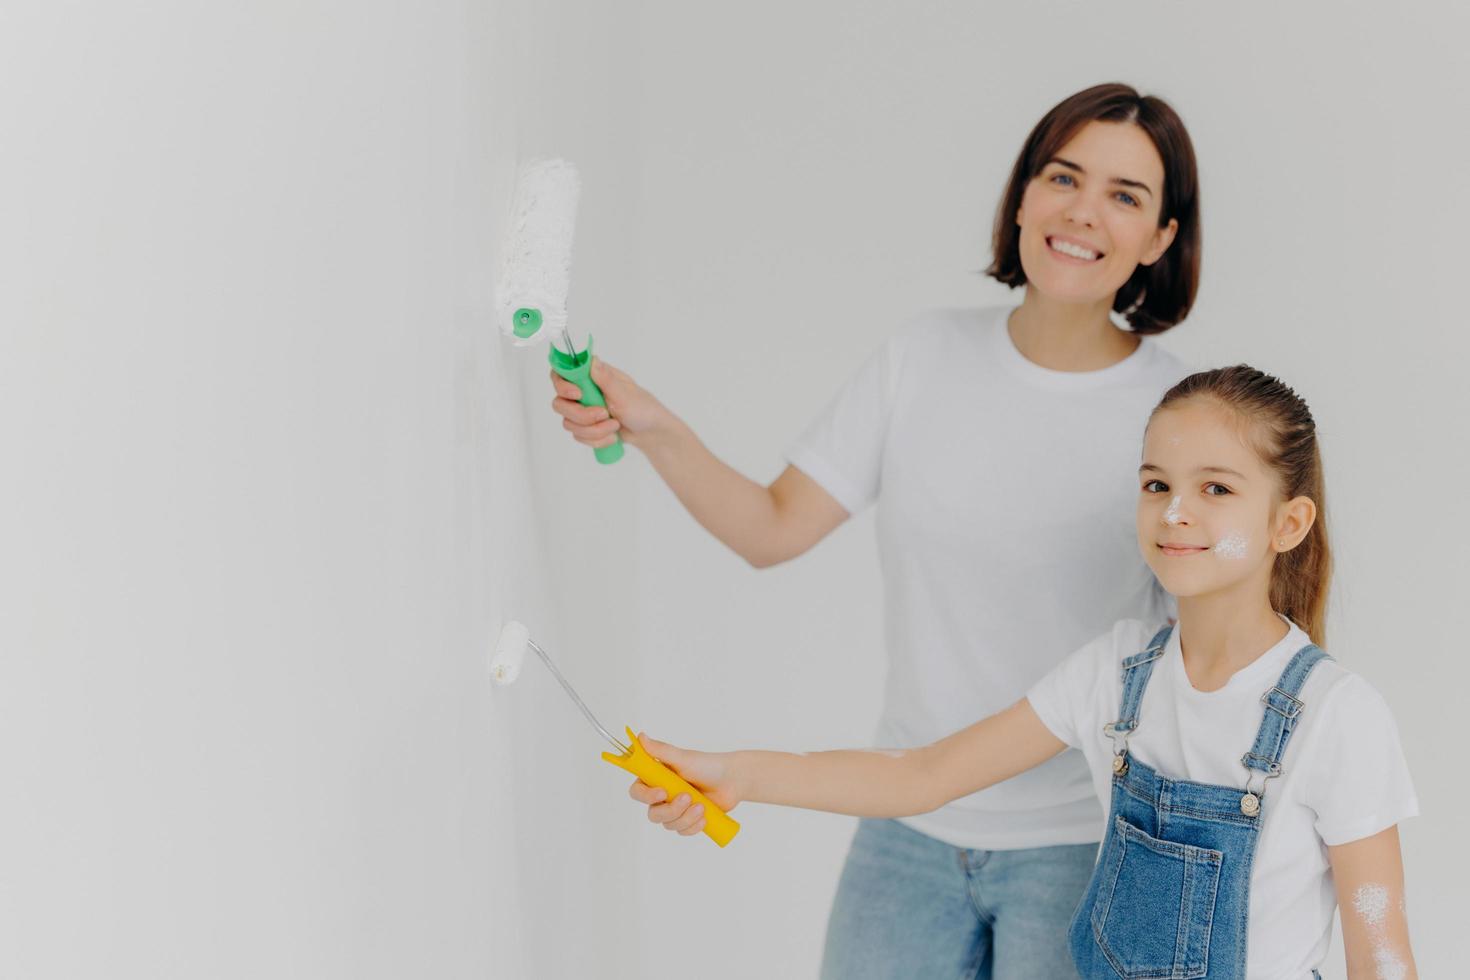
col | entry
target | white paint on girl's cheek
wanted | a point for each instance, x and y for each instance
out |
(1371, 903)
(1386, 962)
(1171, 516)
(1232, 545)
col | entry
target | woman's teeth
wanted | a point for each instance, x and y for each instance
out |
(1076, 251)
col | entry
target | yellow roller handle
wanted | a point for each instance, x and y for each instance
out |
(718, 825)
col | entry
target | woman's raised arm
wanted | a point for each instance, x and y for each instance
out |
(765, 525)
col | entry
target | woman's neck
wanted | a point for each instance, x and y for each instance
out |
(1219, 635)
(1067, 336)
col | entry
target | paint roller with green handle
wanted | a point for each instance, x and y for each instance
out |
(531, 293)
(577, 368)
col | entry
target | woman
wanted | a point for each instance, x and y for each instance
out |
(999, 558)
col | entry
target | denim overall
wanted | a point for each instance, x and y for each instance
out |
(1169, 898)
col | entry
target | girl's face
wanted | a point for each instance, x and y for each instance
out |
(1210, 514)
(1091, 216)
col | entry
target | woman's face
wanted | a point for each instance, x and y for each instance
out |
(1091, 216)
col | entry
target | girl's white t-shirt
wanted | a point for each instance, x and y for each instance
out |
(1005, 497)
(1344, 776)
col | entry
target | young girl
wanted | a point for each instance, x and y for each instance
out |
(1253, 783)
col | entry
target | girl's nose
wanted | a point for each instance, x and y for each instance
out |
(1174, 516)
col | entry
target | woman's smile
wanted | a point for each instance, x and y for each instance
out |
(1071, 250)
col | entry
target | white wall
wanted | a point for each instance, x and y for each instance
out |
(273, 483)
(268, 494)
(814, 171)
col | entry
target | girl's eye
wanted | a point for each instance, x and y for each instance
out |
(1058, 178)
(1150, 486)
(1210, 489)
(1128, 199)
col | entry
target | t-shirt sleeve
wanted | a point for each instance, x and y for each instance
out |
(1359, 782)
(842, 449)
(1067, 698)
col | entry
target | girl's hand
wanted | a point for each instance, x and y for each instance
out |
(630, 409)
(710, 772)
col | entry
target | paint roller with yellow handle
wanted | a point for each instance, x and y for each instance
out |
(505, 667)
(719, 825)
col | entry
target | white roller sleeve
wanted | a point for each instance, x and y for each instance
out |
(537, 265)
(510, 650)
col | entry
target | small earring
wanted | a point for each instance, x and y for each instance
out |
(1281, 542)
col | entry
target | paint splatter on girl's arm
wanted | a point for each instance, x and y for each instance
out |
(1369, 875)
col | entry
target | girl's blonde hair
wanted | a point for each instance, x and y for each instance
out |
(1280, 428)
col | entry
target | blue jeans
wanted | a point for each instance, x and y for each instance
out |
(910, 906)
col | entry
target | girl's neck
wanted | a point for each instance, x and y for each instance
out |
(1066, 336)
(1219, 635)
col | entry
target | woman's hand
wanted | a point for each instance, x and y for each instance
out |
(712, 773)
(630, 409)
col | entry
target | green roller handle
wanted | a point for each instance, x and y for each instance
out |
(577, 368)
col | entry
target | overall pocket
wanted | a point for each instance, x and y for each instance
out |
(1155, 906)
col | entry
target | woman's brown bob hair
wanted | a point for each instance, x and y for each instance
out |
(1155, 297)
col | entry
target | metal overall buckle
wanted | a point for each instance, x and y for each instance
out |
(1120, 747)
(1250, 802)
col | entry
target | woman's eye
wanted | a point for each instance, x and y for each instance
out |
(1155, 486)
(1058, 178)
(1211, 488)
(1128, 199)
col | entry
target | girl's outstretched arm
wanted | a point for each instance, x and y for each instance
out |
(1369, 875)
(861, 782)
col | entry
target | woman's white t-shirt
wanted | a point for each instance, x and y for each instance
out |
(1005, 498)
(1344, 772)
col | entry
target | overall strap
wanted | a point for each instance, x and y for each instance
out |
(1137, 669)
(1283, 708)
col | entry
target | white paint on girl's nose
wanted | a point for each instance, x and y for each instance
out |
(1171, 516)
